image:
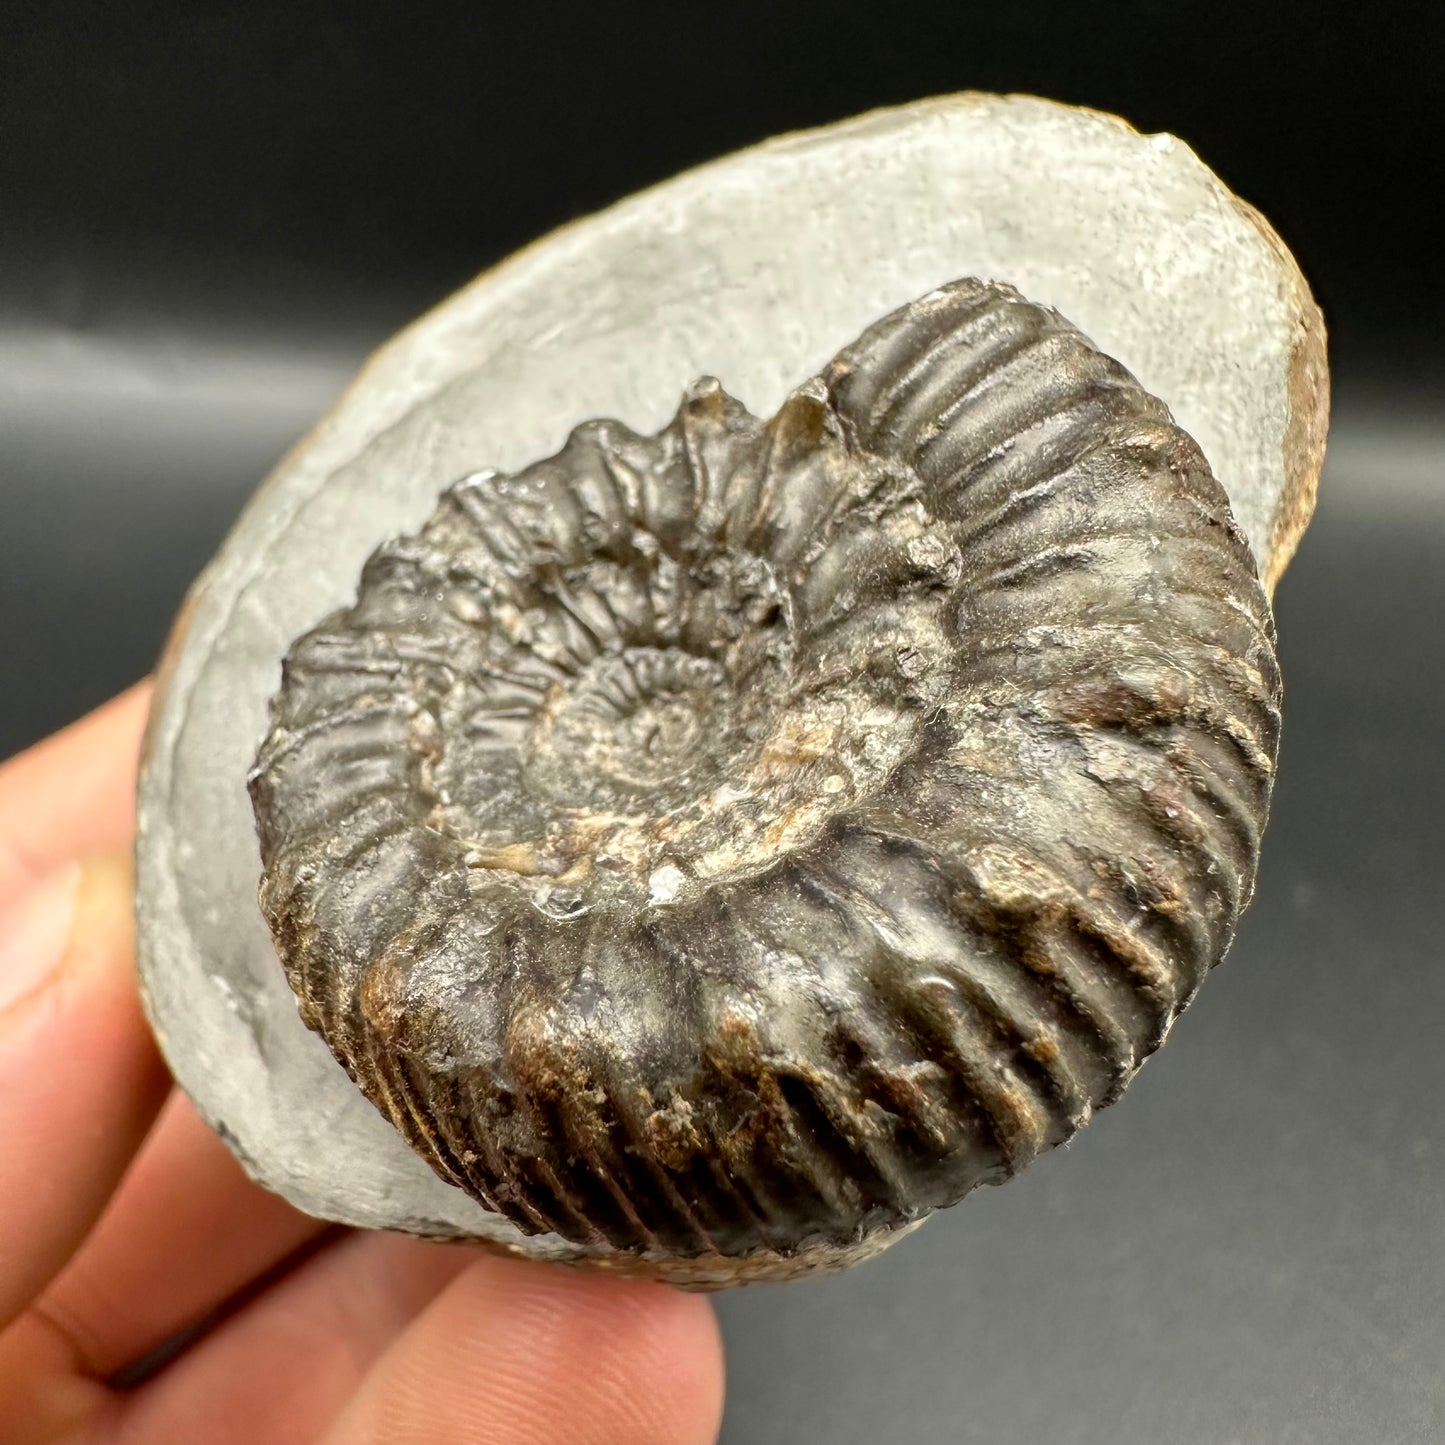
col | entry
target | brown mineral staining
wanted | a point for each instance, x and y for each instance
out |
(722, 848)
(1309, 406)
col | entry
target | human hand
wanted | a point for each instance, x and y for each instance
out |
(124, 1221)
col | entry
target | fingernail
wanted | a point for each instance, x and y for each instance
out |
(34, 930)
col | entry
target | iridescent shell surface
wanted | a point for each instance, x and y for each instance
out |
(722, 848)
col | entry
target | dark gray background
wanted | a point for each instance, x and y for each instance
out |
(209, 213)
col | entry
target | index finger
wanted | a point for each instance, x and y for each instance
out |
(73, 794)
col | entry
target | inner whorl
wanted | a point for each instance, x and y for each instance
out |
(752, 836)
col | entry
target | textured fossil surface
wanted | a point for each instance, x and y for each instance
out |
(753, 268)
(746, 839)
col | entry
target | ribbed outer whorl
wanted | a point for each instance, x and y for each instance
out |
(754, 835)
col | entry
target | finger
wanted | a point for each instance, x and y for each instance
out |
(280, 1370)
(80, 1079)
(185, 1232)
(72, 795)
(516, 1353)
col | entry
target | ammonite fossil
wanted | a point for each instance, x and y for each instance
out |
(723, 842)
(746, 839)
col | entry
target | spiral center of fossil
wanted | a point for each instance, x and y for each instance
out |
(635, 725)
(654, 772)
(704, 749)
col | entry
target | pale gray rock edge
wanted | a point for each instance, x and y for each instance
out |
(753, 269)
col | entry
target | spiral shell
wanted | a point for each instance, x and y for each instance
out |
(744, 840)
